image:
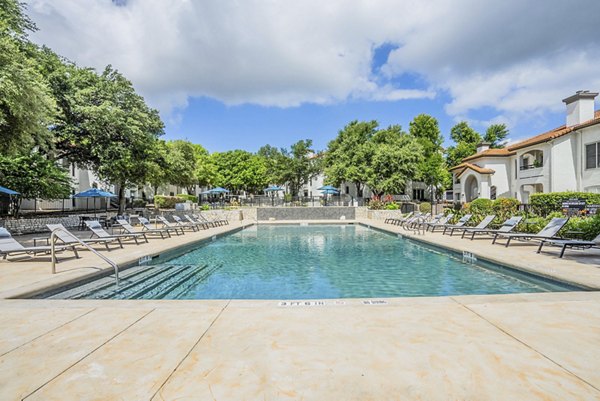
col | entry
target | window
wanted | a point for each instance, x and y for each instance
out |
(516, 167)
(347, 189)
(592, 155)
(493, 193)
(418, 194)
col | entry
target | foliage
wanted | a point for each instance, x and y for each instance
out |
(392, 206)
(495, 135)
(505, 208)
(466, 139)
(480, 206)
(157, 167)
(275, 162)
(181, 162)
(349, 156)
(546, 203)
(395, 160)
(167, 202)
(239, 170)
(301, 165)
(376, 203)
(432, 169)
(186, 197)
(425, 207)
(34, 176)
(588, 226)
(26, 104)
(139, 203)
(205, 207)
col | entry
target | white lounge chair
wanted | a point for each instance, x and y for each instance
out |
(180, 223)
(10, 246)
(100, 232)
(126, 226)
(68, 238)
(147, 226)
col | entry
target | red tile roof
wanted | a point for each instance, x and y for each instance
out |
(490, 153)
(464, 166)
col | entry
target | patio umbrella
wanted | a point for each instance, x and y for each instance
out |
(218, 190)
(7, 191)
(272, 189)
(95, 193)
(328, 188)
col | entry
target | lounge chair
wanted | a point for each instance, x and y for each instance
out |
(570, 243)
(214, 221)
(417, 220)
(67, 238)
(167, 223)
(483, 224)
(10, 246)
(439, 223)
(548, 232)
(129, 229)
(181, 223)
(462, 222)
(392, 220)
(506, 227)
(100, 232)
(201, 224)
(147, 226)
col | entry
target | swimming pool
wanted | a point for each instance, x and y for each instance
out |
(314, 262)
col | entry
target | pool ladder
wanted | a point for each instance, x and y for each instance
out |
(107, 260)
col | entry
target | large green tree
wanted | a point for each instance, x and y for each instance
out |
(396, 158)
(432, 169)
(495, 135)
(181, 159)
(466, 139)
(239, 170)
(349, 156)
(275, 162)
(301, 164)
(26, 105)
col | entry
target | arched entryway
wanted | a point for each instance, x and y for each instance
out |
(471, 188)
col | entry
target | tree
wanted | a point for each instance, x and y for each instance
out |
(396, 158)
(466, 139)
(495, 135)
(275, 162)
(432, 169)
(301, 165)
(157, 167)
(26, 105)
(349, 156)
(239, 170)
(106, 126)
(181, 159)
(34, 176)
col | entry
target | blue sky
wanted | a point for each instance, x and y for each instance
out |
(233, 75)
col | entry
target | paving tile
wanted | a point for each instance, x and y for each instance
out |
(27, 368)
(134, 364)
(417, 352)
(566, 332)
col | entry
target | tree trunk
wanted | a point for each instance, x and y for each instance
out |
(121, 199)
(359, 189)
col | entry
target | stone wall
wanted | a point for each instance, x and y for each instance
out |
(306, 213)
(37, 225)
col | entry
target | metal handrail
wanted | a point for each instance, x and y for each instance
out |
(107, 260)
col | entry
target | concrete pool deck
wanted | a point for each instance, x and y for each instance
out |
(489, 347)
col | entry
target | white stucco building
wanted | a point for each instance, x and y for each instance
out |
(566, 158)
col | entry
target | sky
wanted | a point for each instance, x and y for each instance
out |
(242, 74)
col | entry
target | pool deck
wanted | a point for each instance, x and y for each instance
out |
(489, 347)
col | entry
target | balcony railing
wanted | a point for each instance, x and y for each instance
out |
(530, 166)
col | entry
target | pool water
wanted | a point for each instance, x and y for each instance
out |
(337, 261)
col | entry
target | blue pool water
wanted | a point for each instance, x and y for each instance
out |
(335, 261)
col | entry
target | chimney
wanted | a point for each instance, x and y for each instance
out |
(580, 107)
(483, 146)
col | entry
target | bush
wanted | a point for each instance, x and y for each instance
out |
(425, 207)
(545, 203)
(392, 206)
(588, 226)
(480, 206)
(191, 198)
(205, 207)
(137, 203)
(376, 204)
(505, 208)
(166, 202)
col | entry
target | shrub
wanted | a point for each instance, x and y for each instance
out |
(137, 203)
(546, 203)
(480, 206)
(425, 207)
(191, 198)
(376, 204)
(166, 202)
(505, 208)
(392, 206)
(205, 207)
(588, 226)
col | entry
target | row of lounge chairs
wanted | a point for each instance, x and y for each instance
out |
(546, 236)
(69, 242)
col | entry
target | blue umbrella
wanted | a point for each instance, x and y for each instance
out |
(328, 188)
(330, 191)
(8, 191)
(95, 193)
(218, 190)
(273, 188)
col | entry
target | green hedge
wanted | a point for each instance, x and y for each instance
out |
(191, 198)
(425, 207)
(167, 202)
(545, 203)
(589, 227)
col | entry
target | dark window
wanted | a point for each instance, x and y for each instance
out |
(493, 193)
(591, 155)
(418, 194)
(347, 189)
(516, 168)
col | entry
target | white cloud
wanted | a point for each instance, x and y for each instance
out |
(514, 56)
